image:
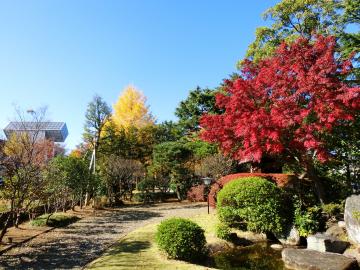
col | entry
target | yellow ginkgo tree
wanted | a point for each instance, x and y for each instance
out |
(131, 110)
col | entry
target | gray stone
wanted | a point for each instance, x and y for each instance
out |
(290, 238)
(305, 259)
(337, 232)
(353, 252)
(352, 218)
(277, 246)
(342, 224)
(251, 236)
(326, 243)
(219, 246)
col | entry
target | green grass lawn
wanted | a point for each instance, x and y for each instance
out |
(55, 220)
(138, 249)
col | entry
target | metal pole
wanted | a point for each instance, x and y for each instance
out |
(208, 203)
(91, 160)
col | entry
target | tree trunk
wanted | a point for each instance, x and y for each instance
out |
(17, 221)
(81, 197)
(255, 167)
(73, 202)
(348, 176)
(6, 226)
(319, 187)
(48, 218)
(63, 208)
(178, 194)
(87, 198)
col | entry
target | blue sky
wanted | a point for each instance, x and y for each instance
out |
(60, 53)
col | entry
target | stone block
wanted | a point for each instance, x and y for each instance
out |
(353, 252)
(337, 232)
(290, 238)
(305, 259)
(326, 243)
(352, 218)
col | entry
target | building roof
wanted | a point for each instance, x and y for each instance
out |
(55, 131)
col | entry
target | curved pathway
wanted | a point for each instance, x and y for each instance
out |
(74, 246)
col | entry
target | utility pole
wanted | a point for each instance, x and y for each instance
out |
(93, 166)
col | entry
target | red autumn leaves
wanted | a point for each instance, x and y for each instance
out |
(286, 103)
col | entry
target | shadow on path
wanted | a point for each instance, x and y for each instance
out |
(74, 246)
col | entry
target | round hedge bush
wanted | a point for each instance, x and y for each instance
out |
(223, 231)
(181, 239)
(254, 204)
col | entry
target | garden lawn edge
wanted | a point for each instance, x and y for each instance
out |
(138, 250)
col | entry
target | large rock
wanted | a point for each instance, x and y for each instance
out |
(337, 232)
(277, 246)
(353, 252)
(342, 224)
(326, 243)
(352, 218)
(290, 238)
(305, 259)
(251, 236)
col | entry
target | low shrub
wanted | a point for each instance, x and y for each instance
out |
(100, 202)
(281, 180)
(308, 221)
(254, 204)
(147, 184)
(334, 211)
(223, 231)
(4, 206)
(150, 197)
(336, 186)
(181, 239)
(197, 193)
(55, 220)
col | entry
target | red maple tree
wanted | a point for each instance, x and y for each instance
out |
(285, 105)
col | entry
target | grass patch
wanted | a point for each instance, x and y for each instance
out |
(138, 250)
(55, 220)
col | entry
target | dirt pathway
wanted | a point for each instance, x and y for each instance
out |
(76, 245)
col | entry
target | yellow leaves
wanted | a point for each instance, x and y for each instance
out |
(16, 144)
(76, 153)
(131, 110)
(26, 149)
(107, 126)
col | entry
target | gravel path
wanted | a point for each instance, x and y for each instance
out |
(79, 243)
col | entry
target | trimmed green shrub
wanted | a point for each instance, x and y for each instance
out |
(223, 231)
(254, 204)
(181, 239)
(55, 220)
(308, 221)
(334, 210)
